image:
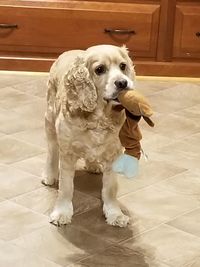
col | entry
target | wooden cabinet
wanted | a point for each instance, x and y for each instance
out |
(56, 30)
(187, 32)
(163, 36)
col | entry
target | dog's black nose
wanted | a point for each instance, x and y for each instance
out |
(121, 84)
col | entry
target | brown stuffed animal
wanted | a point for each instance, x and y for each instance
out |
(136, 106)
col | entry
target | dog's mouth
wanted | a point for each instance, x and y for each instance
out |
(113, 101)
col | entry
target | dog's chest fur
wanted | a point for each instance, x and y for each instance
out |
(91, 136)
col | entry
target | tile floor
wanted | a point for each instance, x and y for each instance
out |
(163, 201)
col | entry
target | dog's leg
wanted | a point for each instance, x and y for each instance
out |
(111, 209)
(63, 209)
(51, 172)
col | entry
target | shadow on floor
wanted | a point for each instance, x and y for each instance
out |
(100, 241)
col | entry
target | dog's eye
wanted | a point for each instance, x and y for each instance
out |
(100, 70)
(122, 66)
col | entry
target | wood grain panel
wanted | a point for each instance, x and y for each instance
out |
(44, 29)
(187, 32)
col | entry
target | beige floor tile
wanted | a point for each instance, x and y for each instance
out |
(151, 87)
(117, 256)
(10, 79)
(187, 146)
(16, 220)
(173, 99)
(88, 183)
(36, 110)
(171, 246)
(190, 113)
(13, 150)
(11, 98)
(40, 200)
(14, 182)
(43, 156)
(188, 222)
(2, 134)
(43, 200)
(33, 136)
(186, 184)
(94, 222)
(195, 262)
(89, 263)
(149, 173)
(185, 159)
(166, 190)
(83, 202)
(62, 245)
(175, 126)
(152, 140)
(190, 143)
(11, 122)
(152, 206)
(36, 87)
(11, 255)
(34, 165)
(2, 199)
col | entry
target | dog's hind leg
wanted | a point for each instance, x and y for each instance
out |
(51, 172)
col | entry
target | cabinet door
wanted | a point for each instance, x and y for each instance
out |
(187, 32)
(78, 26)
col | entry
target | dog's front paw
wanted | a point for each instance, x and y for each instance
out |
(120, 220)
(48, 179)
(115, 217)
(62, 214)
(48, 182)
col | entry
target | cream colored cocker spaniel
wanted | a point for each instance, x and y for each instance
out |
(80, 122)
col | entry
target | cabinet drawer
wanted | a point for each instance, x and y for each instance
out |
(187, 32)
(53, 30)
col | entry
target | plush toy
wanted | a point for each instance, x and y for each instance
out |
(136, 106)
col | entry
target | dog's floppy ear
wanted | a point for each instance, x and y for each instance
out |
(80, 92)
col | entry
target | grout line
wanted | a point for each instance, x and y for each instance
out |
(181, 137)
(180, 230)
(32, 156)
(33, 211)
(33, 97)
(32, 252)
(163, 223)
(149, 185)
(184, 213)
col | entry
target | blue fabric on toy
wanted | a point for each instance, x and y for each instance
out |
(127, 165)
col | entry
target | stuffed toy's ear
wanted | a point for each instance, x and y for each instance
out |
(80, 90)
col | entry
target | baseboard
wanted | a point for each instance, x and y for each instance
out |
(143, 68)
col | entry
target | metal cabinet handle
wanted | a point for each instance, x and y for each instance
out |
(119, 31)
(8, 26)
(198, 34)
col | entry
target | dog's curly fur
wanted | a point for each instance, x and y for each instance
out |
(81, 123)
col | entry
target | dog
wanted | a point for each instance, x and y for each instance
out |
(81, 122)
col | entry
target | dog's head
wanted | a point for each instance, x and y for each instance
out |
(100, 72)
